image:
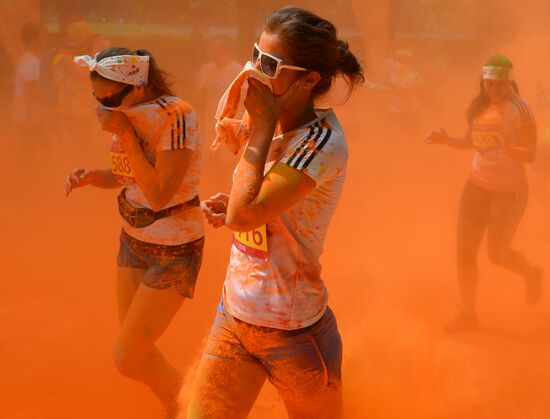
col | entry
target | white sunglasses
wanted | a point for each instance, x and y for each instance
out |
(269, 65)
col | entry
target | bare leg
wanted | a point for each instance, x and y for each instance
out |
(467, 285)
(144, 318)
(224, 389)
(325, 404)
(472, 222)
(506, 213)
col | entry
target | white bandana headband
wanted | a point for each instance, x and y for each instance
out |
(497, 73)
(127, 69)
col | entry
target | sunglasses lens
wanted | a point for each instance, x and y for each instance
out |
(114, 101)
(255, 55)
(269, 66)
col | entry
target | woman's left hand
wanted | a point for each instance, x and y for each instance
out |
(262, 106)
(113, 121)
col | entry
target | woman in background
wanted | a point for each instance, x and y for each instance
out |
(502, 131)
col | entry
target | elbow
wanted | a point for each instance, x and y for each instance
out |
(240, 221)
(234, 223)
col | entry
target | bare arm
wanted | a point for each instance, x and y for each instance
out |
(256, 199)
(100, 178)
(441, 137)
(160, 182)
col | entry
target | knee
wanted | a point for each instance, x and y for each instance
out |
(126, 362)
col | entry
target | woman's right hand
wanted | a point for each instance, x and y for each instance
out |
(78, 178)
(437, 137)
(215, 209)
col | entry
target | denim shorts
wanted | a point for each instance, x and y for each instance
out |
(303, 361)
(165, 265)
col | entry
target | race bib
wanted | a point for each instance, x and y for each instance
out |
(252, 243)
(487, 138)
(120, 165)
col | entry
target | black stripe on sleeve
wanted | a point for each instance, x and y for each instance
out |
(172, 142)
(317, 149)
(178, 124)
(302, 144)
(307, 148)
(524, 110)
(183, 130)
(159, 102)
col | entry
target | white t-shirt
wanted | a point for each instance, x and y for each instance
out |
(274, 274)
(28, 70)
(167, 123)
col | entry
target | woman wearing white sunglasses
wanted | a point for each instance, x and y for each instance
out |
(273, 320)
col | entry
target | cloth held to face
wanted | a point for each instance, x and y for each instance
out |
(231, 131)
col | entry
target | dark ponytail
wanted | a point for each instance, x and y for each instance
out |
(157, 79)
(312, 43)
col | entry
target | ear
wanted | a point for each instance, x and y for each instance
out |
(311, 80)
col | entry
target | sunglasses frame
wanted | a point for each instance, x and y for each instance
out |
(278, 60)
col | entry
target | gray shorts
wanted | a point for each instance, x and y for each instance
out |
(165, 265)
(301, 362)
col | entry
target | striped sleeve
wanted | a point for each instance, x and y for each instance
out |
(181, 131)
(523, 109)
(321, 154)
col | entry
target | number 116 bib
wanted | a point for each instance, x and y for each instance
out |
(252, 243)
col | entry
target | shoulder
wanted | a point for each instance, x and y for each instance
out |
(324, 141)
(172, 108)
(521, 108)
(173, 104)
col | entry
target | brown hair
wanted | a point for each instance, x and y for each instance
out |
(313, 44)
(157, 78)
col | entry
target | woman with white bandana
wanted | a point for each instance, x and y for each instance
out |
(502, 131)
(156, 159)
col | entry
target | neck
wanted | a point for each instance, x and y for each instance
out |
(297, 117)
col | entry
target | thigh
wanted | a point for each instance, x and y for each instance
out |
(148, 316)
(128, 280)
(305, 366)
(225, 388)
(229, 377)
(507, 209)
(473, 216)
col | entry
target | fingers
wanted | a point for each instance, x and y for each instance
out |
(210, 207)
(216, 220)
(68, 186)
(71, 182)
(74, 180)
(220, 196)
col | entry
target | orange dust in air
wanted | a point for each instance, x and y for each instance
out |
(389, 258)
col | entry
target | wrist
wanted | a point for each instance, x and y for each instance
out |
(262, 131)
